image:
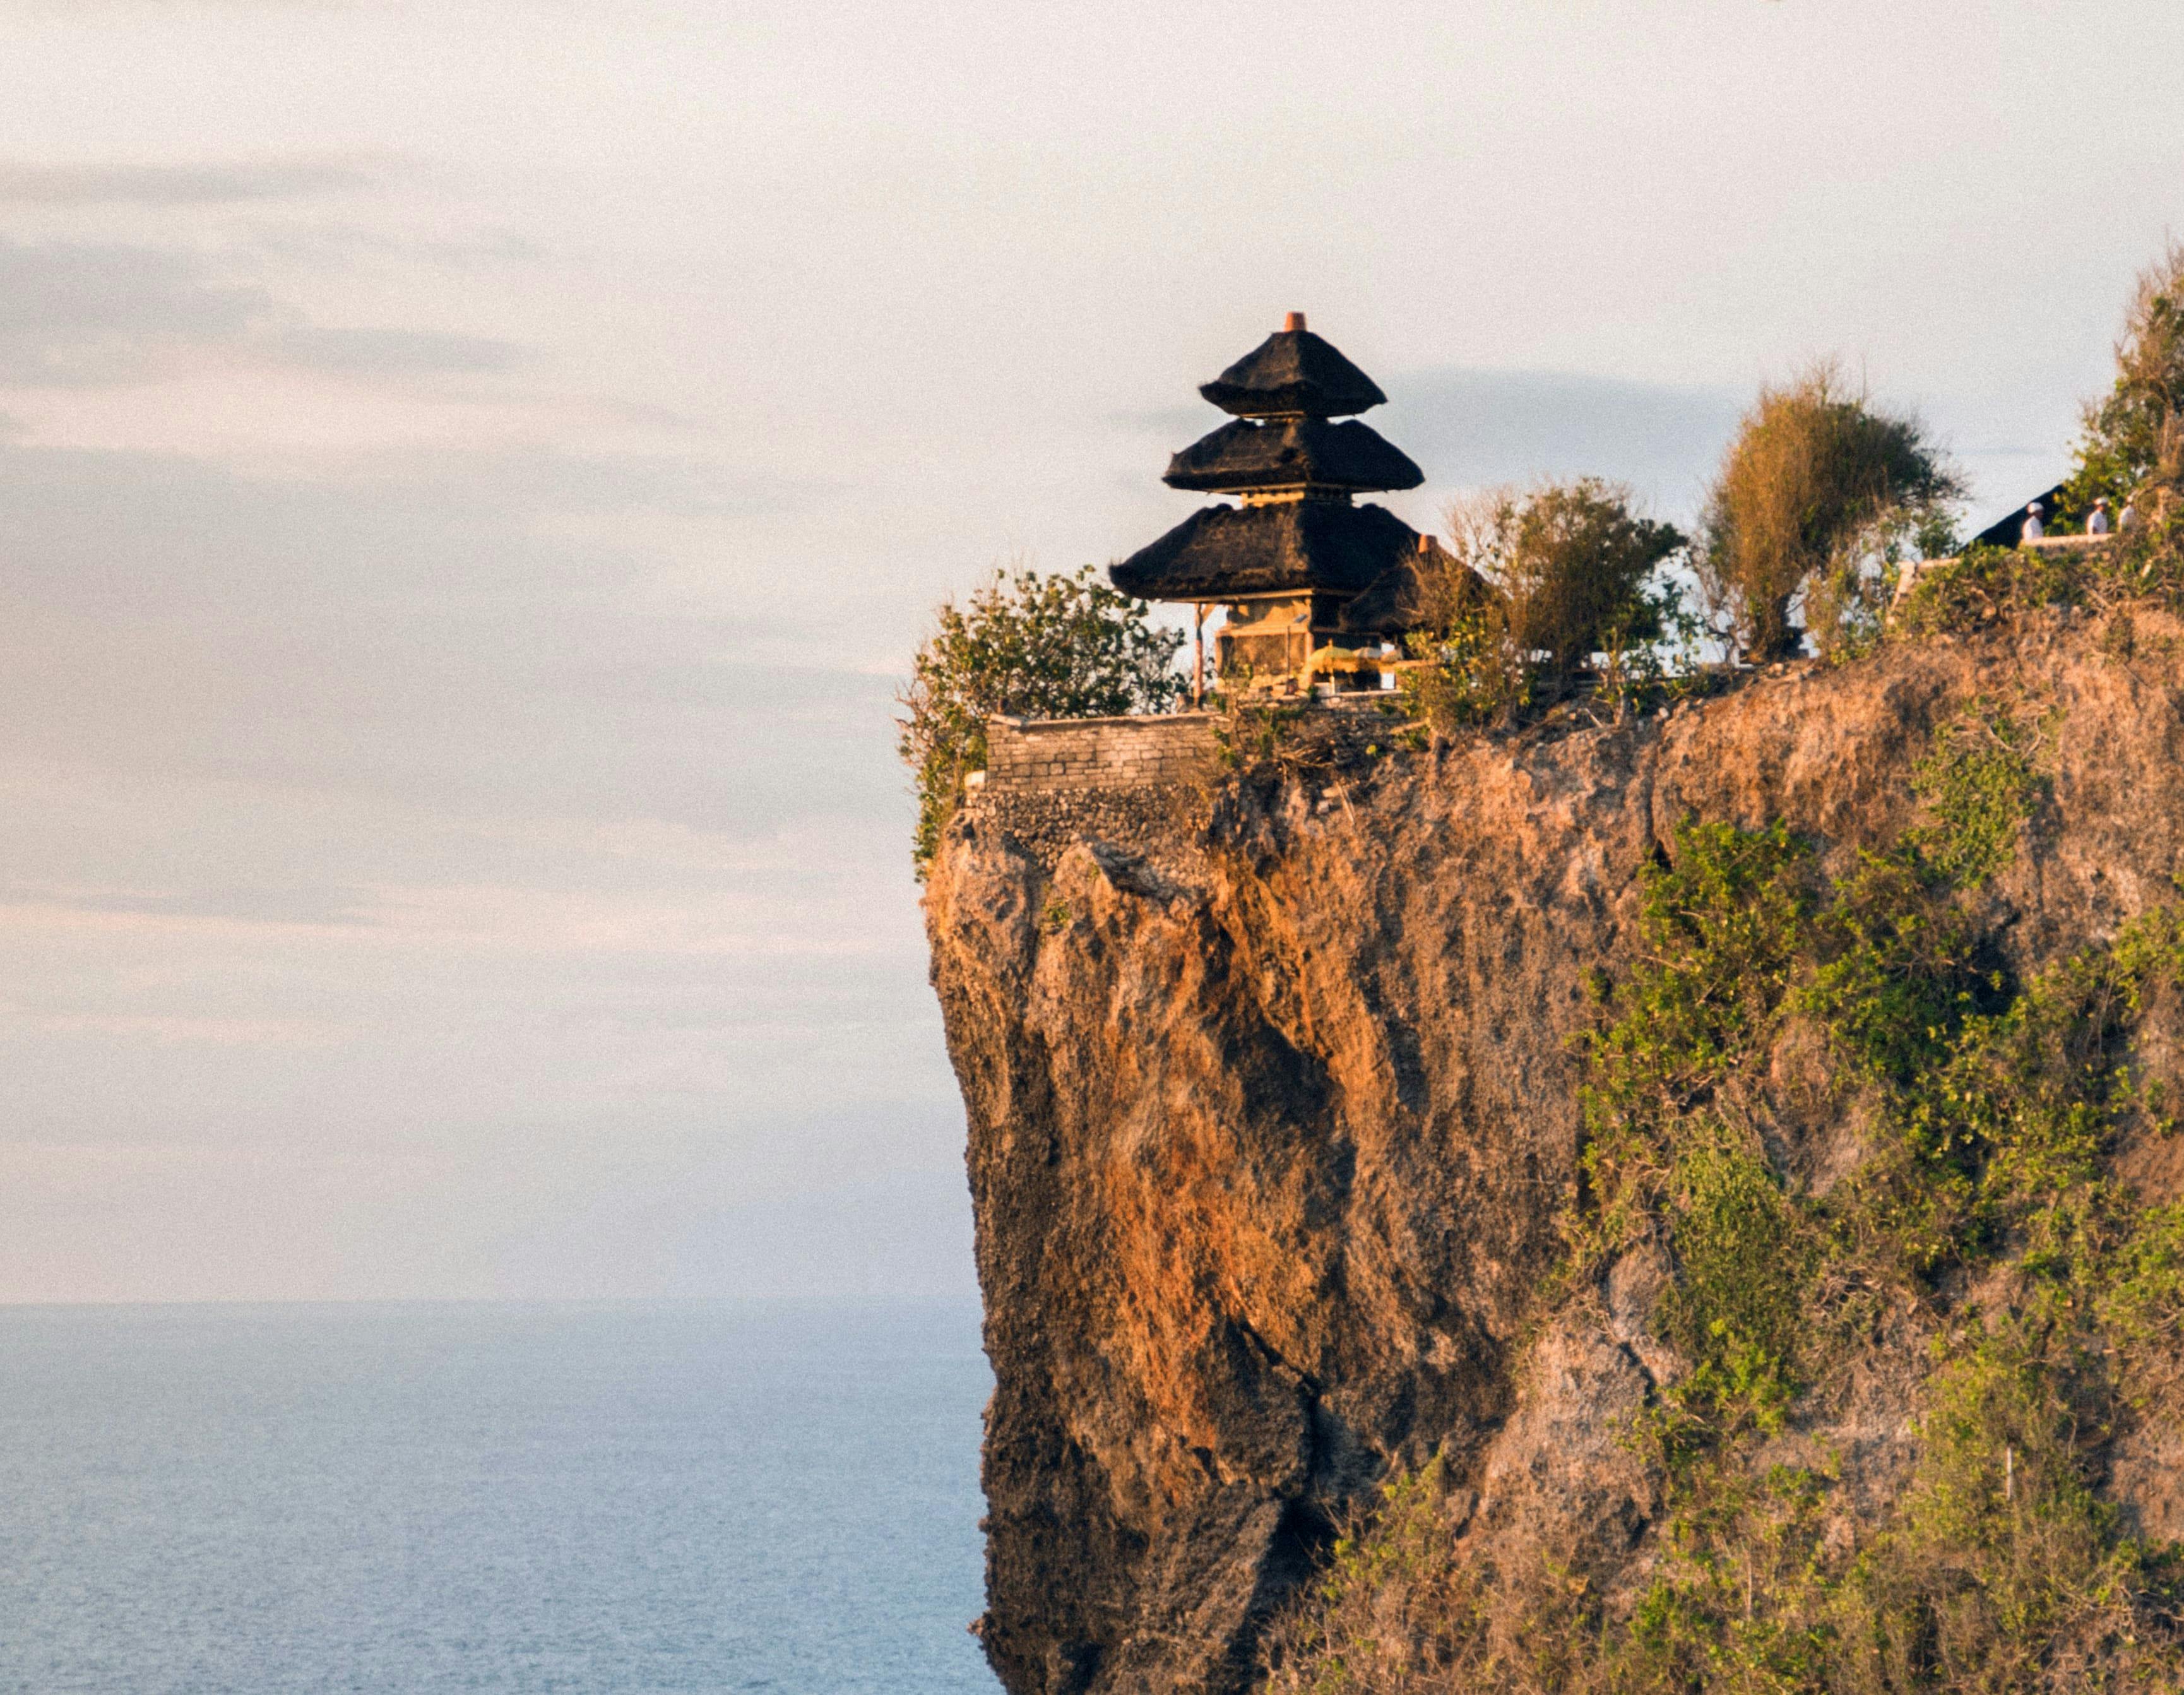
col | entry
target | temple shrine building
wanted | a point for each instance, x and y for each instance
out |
(1311, 582)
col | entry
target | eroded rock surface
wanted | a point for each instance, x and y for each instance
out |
(1272, 1103)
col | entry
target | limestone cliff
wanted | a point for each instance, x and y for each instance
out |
(1274, 1103)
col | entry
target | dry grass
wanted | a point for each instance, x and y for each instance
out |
(1817, 498)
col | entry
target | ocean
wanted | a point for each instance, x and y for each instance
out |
(605, 1498)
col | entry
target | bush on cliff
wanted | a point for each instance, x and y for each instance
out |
(1818, 498)
(1984, 1216)
(1993, 589)
(1064, 646)
(1534, 584)
(2132, 447)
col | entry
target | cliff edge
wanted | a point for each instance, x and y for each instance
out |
(1274, 1097)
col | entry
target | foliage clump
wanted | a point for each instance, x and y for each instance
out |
(1988, 1109)
(1992, 590)
(1064, 646)
(1534, 585)
(1820, 499)
(2132, 448)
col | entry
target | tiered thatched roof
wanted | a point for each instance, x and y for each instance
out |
(1305, 537)
(1399, 599)
(1292, 452)
(1293, 373)
(1298, 545)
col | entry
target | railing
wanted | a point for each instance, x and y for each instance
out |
(1914, 569)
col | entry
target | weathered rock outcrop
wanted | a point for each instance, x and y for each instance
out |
(1272, 1104)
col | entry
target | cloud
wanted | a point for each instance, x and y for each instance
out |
(258, 904)
(82, 312)
(176, 1032)
(1469, 429)
(391, 352)
(24, 184)
(472, 635)
(87, 315)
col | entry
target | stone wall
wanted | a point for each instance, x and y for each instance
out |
(1098, 753)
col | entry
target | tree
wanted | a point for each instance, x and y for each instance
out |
(1576, 566)
(2132, 448)
(1820, 495)
(1533, 584)
(1060, 646)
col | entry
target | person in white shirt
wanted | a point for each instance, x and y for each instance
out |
(2127, 517)
(2034, 529)
(2096, 521)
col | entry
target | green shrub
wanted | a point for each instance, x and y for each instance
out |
(1980, 782)
(1992, 589)
(2131, 447)
(1991, 1109)
(1536, 584)
(1819, 500)
(1255, 731)
(1470, 673)
(1577, 570)
(2004, 1570)
(1060, 646)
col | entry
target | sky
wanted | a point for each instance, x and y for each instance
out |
(472, 475)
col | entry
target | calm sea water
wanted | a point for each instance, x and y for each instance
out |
(685, 1498)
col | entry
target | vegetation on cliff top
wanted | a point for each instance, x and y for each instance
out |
(1981, 1218)
(1059, 646)
(1819, 498)
(2132, 448)
(1533, 585)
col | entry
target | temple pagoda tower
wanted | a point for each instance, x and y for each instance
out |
(1292, 556)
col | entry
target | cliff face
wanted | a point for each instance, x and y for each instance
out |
(1273, 1105)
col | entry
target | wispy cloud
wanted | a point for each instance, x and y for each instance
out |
(84, 312)
(1472, 427)
(186, 1032)
(395, 351)
(265, 903)
(24, 184)
(92, 315)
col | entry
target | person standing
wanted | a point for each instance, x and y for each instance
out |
(2096, 521)
(2034, 529)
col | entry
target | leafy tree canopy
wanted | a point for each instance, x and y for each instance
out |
(2132, 445)
(1064, 646)
(1533, 583)
(1818, 495)
(1574, 563)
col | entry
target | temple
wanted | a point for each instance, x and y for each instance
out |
(1311, 582)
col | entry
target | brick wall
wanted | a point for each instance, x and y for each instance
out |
(1097, 753)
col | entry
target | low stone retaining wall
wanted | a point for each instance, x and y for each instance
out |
(1098, 753)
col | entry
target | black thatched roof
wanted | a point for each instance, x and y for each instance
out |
(1293, 373)
(2004, 532)
(1289, 454)
(1397, 600)
(1224, 551)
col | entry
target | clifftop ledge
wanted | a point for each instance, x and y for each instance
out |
(1273, 1101)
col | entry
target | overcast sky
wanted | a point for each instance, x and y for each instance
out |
(472, 474)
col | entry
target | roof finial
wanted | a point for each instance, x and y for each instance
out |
(1293, 323)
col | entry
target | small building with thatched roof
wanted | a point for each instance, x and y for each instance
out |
(1289, 559)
